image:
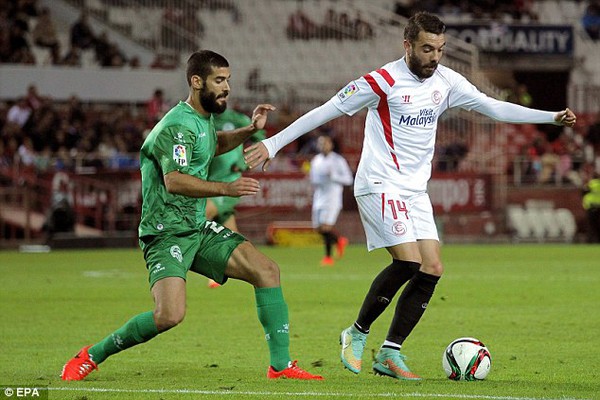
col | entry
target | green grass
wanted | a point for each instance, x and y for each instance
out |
(537, 308)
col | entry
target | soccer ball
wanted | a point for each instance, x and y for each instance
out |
(466, 359)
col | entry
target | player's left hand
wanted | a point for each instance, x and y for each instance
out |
(255, 155)
(565, 117)
(259, 116)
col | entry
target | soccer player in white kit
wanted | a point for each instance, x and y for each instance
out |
(329, 173)
(404, 99)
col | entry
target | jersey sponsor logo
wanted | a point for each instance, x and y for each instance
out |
(157, 268)
(176, 253)
(180, 155)
(348, 91)
(436, 97)
(405, 98)
(399, 228)
(425, 117)
(179, 137)
(202, 134)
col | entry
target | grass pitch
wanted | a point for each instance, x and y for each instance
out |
(537, 308)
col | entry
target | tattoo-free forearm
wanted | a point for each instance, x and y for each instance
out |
(229, 140)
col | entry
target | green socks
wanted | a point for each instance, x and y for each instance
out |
(273, 315)
(137, 330)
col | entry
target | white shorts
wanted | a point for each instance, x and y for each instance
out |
(390, 219)
(325, 215)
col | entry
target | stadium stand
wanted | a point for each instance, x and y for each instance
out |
(298, 71)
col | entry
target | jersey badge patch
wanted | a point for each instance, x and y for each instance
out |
(348, 91)
(436, 97)
(180, 155)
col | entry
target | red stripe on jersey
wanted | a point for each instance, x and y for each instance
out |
(386, 75)
(382, 206)
(384, 114)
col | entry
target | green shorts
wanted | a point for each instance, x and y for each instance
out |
(205, 252)
(225, 207)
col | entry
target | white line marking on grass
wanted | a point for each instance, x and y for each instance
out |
(300, 394)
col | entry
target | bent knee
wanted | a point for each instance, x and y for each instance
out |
(267, 274)
(433, 268)
(167, 320)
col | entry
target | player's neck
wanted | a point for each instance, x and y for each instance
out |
(197, 106)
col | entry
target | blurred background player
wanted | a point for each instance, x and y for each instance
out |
(329, 173)
(228, 167)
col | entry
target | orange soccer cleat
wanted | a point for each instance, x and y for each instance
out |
(212, 284)
(327, 262)
(293, 371)
(79, 366)
(342, 242)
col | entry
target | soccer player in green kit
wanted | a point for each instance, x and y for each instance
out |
(175, 235)
(228, 167)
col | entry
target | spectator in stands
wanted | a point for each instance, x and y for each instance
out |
(101, 48)
(20, 51)
(19, 113)
(523, 97)
(72, 58)
(404, 8)
(61, 215)
(5, 157)
(27, 154)
(393, 173)
(591, 205)
(591, 20)
(33, 98)
(75, 111)
(156, 108)
(5, 24)
(44, 32)
(82, 36)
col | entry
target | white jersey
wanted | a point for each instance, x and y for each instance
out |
(328, 175)
(401, 124)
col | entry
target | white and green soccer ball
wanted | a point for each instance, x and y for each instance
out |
(466, 359)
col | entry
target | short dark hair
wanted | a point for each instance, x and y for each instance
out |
(423, 21)
(202, 62)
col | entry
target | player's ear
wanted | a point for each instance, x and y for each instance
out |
(406, 44)
(196, 82)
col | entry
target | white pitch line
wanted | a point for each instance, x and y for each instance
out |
(301, 394)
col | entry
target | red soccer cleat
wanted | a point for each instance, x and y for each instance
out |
(341, 246)
(79, 366)
(327, 262)
(212, 284)
(293, 371)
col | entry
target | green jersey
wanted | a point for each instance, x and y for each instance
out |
(228, 167)
(185, 141)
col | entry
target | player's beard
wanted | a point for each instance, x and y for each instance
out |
(416, 67)
(208, 101)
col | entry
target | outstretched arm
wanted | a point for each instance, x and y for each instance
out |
(231, 139)
(190, 186)
(260, 153)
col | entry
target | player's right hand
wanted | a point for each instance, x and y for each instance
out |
(242, 187)
(565, 117)
(256, 155)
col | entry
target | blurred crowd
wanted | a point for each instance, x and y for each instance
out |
(471, 11)
(39, 134)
